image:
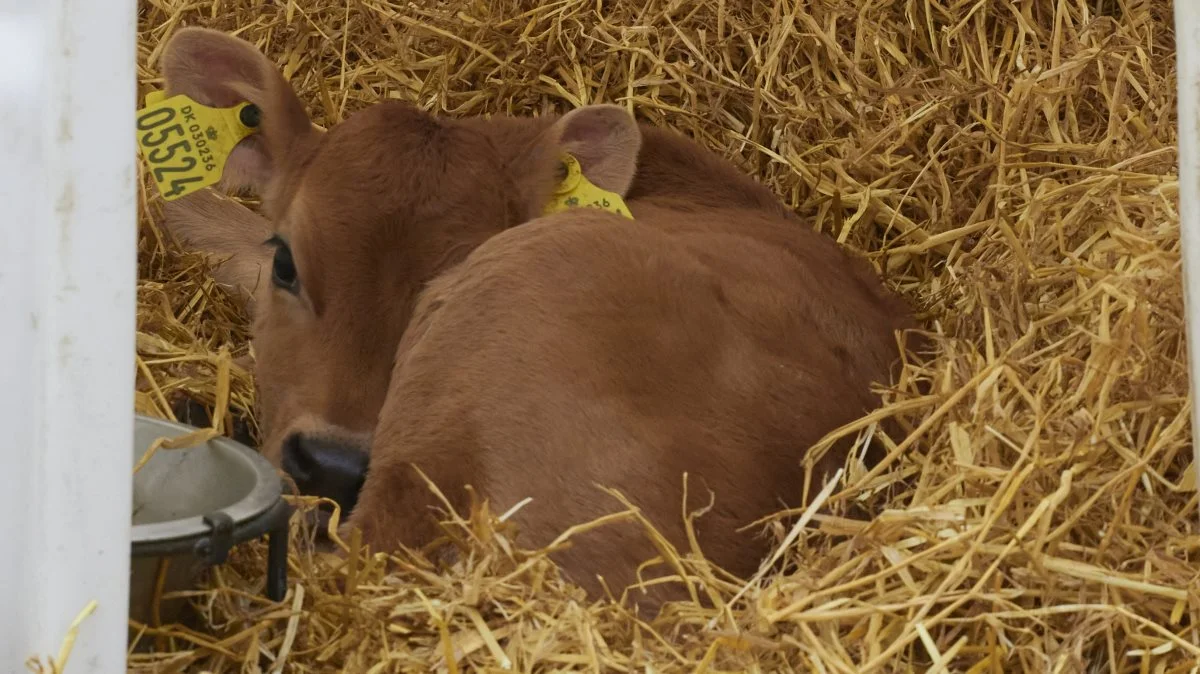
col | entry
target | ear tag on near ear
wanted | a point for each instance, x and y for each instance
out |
(186, 144)
(576, 191)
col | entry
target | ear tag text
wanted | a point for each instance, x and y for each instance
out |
(576, 191)
(186, 144)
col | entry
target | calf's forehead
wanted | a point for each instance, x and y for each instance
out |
(400, 141)
(395, 162)
(386, 196)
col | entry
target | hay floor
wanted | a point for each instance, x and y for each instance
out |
(1009, 164)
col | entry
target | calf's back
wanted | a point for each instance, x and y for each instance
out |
(586, 350)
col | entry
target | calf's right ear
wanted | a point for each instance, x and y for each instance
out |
(219, 70)
(232, 236)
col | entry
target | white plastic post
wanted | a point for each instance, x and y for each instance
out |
(1187, 46)
(67, 319)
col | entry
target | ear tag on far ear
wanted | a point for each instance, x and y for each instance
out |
(186, 144)
(576, 191)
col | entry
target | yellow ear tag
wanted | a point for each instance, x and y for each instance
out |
(576, 191)
(186, 144)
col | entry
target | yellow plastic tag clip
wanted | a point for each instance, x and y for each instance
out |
(576, 191)
(186, 144)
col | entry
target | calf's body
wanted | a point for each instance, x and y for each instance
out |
(414, 306)
(587, 349)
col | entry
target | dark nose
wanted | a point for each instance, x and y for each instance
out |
(326, 467)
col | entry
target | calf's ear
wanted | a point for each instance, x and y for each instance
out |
(232, 236)
(221, 70)
(605, 139)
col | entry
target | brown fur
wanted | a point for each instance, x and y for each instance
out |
(445, 323)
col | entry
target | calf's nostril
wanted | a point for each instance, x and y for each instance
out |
(326, 468)
(297, 462)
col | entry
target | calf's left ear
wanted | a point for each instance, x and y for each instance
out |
(605, 139)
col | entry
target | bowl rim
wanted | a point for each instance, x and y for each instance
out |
(266, 492)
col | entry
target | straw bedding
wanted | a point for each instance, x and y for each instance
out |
(1010, 166)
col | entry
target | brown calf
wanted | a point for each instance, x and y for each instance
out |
(412, 306)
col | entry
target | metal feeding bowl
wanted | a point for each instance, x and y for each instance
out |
(190, 506)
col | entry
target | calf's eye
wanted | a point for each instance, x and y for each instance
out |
(283, 267)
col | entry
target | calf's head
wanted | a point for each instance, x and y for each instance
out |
(357, 220)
